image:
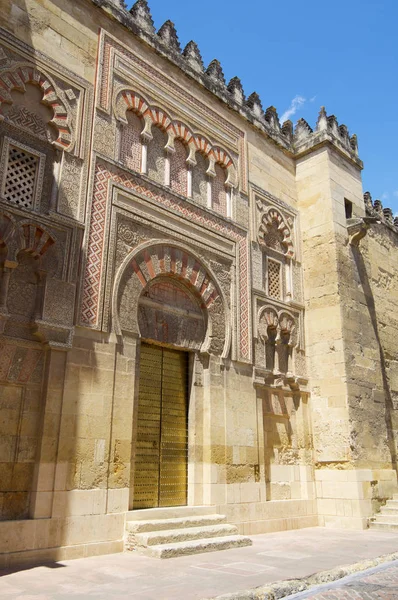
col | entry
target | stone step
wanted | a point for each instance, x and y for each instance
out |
(177, 523)
(392, 503)
(387, 515)
(383, 525)
(196, 546)
(171, 536)
(395, 496)
(169, 512)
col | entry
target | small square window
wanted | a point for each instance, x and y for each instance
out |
(348, 208)
(21, 177)
(274, 278)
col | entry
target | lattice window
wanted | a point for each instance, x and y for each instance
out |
(20, 177)
(274, 278)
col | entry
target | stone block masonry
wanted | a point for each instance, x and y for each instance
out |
(145, 200)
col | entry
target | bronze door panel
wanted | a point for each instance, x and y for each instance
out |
(161, 462)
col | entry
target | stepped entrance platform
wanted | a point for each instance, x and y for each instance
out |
(272, 557)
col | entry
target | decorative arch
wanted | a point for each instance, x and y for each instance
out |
(273, 225)
(170, 261)
(287, 322)
(179, 131)
(126, 99)
(158, 117)
(222, 158)
(278, 332)
(267, 317)
(35, 239)
(17, 78)
(134, 102)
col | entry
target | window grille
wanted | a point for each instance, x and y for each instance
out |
(274, 279)
(20, 179)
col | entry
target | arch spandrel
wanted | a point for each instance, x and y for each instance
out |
(151, 264)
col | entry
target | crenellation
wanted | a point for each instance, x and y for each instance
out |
(302, 131)
(235, 88)
(216, 75)
(141, 16)
(376, 209)
(253, 103)
(168, 35)
(287, 130)
(193, 57)
(271, 117)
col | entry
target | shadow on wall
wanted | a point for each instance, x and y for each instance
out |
(369, 297)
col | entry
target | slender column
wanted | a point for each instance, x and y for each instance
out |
(290, 362)
(288, 279)
(229, 202)
(144, 157)
(209, 191)
(56, 174)
(278, 348)
(40, 292)
(167, 169)
(189, 182)
(7, 269)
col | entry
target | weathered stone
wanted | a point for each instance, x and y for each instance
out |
(209, 230)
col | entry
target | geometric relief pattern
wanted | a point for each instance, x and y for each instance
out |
(25, 119)
(108, 174)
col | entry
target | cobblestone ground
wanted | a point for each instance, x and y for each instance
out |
(376, 584)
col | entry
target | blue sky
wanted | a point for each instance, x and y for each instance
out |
(340, 54)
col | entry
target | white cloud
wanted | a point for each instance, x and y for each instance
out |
(385, 196)
(293, 108)
(395, 193)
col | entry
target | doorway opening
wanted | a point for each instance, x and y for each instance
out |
(161, 456)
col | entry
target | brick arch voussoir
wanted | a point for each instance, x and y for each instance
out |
(34, 239)
(18, 77)
(134, 102)
(163, 259)
(222, 158)
(179, 131)
(174, 262)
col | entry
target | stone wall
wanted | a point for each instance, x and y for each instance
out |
(176, 194)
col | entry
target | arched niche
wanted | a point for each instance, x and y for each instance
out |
(21, 80)
(130, 141)
(179, 168)
(170, 312)
(159, 273)
(275, 234)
